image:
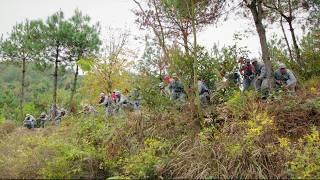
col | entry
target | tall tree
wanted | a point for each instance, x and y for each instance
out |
(286, 39)
(151, 62)
(257, 12)
(313, 7)
(170, 20)
(84, 44)
(22, 46)
(186, 18)
(287, 10)
(151, 15)
(179, 23)
(56, 36)
(114, 58)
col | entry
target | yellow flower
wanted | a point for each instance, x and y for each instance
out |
(313, 90)
(284, 143)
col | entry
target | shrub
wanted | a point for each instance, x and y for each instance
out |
(306, 161)
(143, 164)
(240, 105)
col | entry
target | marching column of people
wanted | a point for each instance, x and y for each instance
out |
(117, 101)
(31, 122)
(254, 73)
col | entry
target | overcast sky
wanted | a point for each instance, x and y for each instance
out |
(117, 14)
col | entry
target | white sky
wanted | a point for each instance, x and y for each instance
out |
(117, 14)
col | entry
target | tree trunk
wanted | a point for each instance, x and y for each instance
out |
(160, 73)
(257, 12)
(74, 86)
(185, 42)
(195, 72)
(22, 86)
(295, 44)
(109, 81)
(55, 83)
(286, 39)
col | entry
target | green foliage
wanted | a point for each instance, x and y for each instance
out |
(85, 41)
(239, 103)
(2, 118)
(52, 153)
(85, 64)
(23, 42)
(38, 92)
(152, 99)
(305, 164)
(311, 53)
(30, 108)
(210, 65)
(143, 165)
(91, 131)
(150, 61)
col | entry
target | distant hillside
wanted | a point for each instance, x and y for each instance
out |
(39, 84)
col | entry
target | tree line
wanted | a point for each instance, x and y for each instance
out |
(56, 41)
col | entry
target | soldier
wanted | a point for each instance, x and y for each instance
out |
(248, 74)
(107, 102)
(203, 92)
(176, 88)
(162, 89)
(43, 119)
(87, 110)
(29, 121)
(121, 98)
(61, 114)
(102, 99)
(114, 96)
(261, 81)
(135, 98)
(285, 78)
(233, 79)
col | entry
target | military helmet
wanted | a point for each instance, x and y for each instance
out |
(282, 66)
(161, 84)
(254, 60)
(174, 75)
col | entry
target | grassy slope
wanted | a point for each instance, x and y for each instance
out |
(241, 138)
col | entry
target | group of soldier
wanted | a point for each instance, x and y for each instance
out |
(116, 101)
(255, 74)
(31, 122)
(173, 88)
(113, 102)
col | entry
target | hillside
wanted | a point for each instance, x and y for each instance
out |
(198, 89)
(241, 138)
(39, 82)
